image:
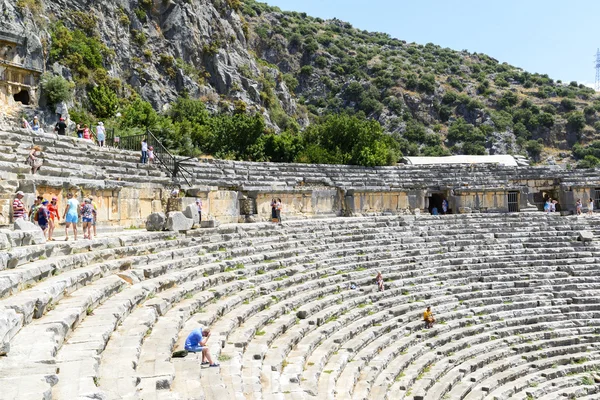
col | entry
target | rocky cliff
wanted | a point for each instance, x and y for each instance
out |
(159, 49)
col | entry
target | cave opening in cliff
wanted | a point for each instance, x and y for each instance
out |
(22, 97)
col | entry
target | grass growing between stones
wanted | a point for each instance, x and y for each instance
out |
(588, 381)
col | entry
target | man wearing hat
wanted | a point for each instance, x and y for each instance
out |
(61, 127)
(19, 210)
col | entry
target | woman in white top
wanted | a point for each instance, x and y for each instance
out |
(591, 207)
(144, 157)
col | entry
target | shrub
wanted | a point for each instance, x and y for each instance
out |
(534, 148)
(321, 62)
(353, 91)
(35, 6)
(103, 101)
(589, 162)
(139, 37)
(290, 81)
(296, 40)
(75, 49)
(568, 104)
(306, 70)
(507, 100)
(427, 83)
(576, 121)
(140, 13)
(56, 88)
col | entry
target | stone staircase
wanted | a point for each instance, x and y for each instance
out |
(515, 298)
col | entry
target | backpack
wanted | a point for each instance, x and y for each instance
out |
(180, 354)
(34, 214)
(37, 214)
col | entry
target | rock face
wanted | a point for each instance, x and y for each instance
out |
(33, 233)
(193, 46)
(176, 221)
(156, 222)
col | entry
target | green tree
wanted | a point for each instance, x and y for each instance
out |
(103, 101)
(349, 139)
(139, 113)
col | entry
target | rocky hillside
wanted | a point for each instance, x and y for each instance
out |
(294, 69)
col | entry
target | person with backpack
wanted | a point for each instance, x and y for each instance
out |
(196, 343)
(33, 210)
(43, 216)
(61, 127)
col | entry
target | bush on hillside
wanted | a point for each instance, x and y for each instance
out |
(56, 88)
(534, 148)
(589, 162)
(75, 49)
(576, 121)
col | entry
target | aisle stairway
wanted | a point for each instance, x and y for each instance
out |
(515, 297)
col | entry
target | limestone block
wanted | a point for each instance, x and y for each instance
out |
(36, 236)
(191, 211)
(176, 221)
(212, 223)
(586, 236)
(4, 240)
(156, 221)
(10, 323)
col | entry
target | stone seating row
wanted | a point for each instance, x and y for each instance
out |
(227, 173)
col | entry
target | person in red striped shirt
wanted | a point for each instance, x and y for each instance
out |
(19, 210)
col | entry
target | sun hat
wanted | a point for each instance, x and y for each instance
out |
(45, 202)
(101, 123)
(62, 118)
(20, 193)
(55, 198)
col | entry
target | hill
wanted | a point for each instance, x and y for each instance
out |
(270, 82)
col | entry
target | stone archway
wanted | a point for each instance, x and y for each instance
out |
(22, 97)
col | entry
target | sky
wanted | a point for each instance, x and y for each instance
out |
(558, 38)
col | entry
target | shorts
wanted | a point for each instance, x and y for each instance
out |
(194, 349)
(72, 219)
(87, 219)
(43, 226)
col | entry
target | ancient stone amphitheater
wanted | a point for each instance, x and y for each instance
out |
(515, 294)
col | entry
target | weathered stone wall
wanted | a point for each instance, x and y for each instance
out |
(378, 202)
(300, 203)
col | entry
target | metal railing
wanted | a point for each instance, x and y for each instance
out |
(162, 156)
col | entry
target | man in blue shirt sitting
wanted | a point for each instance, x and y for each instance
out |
(196, 342)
